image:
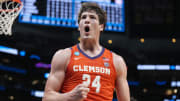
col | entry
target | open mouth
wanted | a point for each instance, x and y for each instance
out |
(86, 29)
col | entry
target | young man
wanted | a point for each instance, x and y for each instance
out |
(87, 71)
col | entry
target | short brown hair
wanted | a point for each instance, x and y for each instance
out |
(88, 6)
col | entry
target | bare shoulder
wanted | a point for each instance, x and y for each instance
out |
(63, 53)
(117, 58)
(119, 63)
(61, 59)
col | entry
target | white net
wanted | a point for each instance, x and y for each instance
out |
(9, 10)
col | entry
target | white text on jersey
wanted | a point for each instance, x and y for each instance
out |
(95, 69)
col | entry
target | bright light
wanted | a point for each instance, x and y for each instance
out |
(172, 67)
(110, 41)
(22, 53)
(173, 84)
(11, 97)
(173, 40)
(106, 1)
(142, 40)
(79, 38)
(178, 83)
(169, 92)
(46, 75)
(154, 67)
(145, 90)
(8, 50)
(177, 67)
(166, 99)
(146, 67)
(175, 91)
(37, 93)
(162, 67)
(119, 1)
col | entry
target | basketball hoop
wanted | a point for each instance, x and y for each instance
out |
(9, 10)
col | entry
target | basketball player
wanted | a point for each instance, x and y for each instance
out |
(87, 71)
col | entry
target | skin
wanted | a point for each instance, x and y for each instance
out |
(89, 43)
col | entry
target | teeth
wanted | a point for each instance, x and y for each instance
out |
(86, 29)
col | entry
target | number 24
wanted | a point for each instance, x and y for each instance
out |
(95, 82)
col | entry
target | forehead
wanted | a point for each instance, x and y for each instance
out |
(89, 13)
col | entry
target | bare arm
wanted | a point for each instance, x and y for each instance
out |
(122, 88)
(56, 78)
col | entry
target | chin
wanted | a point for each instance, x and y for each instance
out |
(87, 37)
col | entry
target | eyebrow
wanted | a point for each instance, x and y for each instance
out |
(89, 15)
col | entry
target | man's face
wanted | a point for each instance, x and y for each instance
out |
(89, 26)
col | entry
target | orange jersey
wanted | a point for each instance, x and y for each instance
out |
(98, 72)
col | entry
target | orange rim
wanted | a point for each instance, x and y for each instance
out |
(15, 9)
(19, 1)
(9, 10)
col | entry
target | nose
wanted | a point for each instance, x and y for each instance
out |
(87, 20)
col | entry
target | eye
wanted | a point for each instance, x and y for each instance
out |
(83, 17)
(92, 17)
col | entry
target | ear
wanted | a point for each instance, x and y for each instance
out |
(101, 27)
(78, 28)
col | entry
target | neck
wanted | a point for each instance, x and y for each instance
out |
(89, 45)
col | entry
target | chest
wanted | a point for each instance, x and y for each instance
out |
(99, 67)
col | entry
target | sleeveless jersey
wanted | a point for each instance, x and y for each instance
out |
(98, 72)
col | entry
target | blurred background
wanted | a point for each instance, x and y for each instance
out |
(144, 32)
